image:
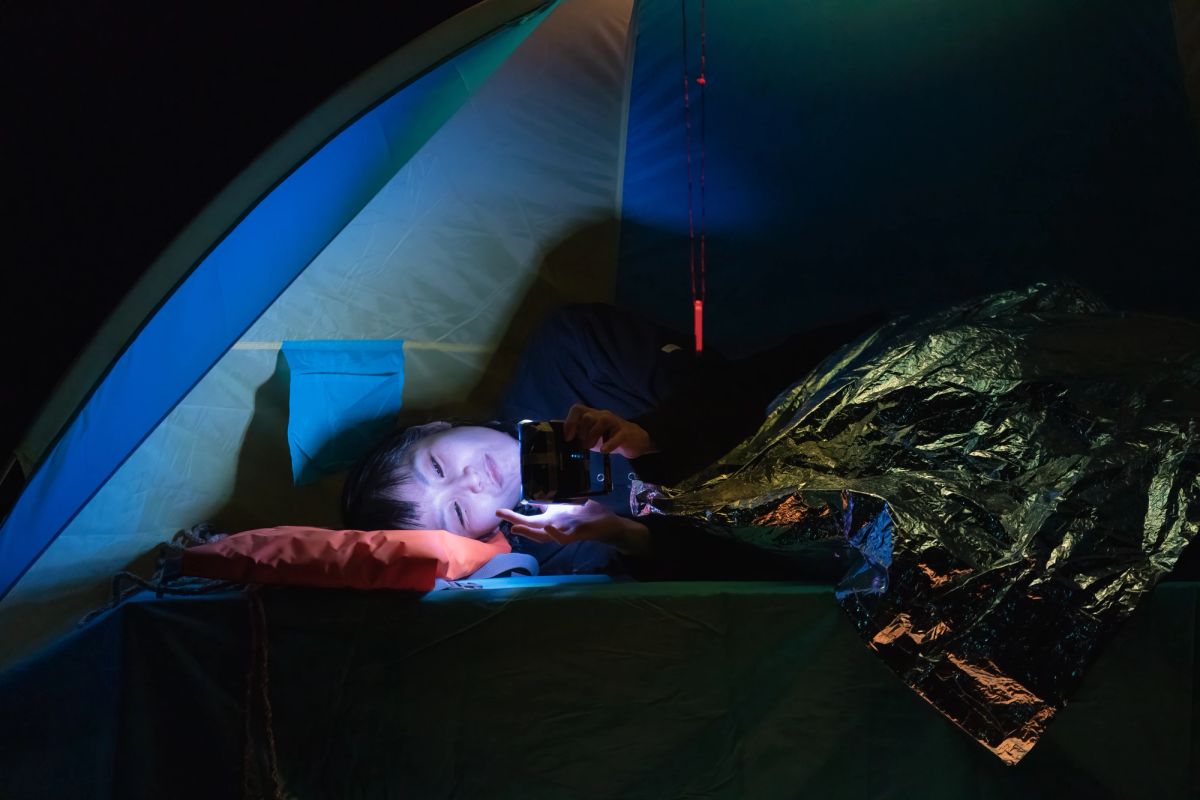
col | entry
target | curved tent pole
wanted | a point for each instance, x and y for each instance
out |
(244, 192)
(239, 255)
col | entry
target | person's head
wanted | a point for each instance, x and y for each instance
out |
(435, 476)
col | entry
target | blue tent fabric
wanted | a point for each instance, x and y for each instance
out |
(906, 156)
(888, 154)
(972, 147)
(343, 398)
(229, 289)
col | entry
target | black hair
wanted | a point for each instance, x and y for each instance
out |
(370, 496)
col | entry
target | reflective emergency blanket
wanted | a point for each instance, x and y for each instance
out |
(1015, 475)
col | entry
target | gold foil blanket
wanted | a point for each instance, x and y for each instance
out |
(1015, 474)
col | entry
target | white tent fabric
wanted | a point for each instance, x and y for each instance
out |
(874, 153)
(508, 210)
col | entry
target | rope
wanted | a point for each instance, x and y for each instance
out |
(703, 82)
(699, 279)
(257, 676)
(126, 584)
(687, 128)
(264, 690)
(247, 716)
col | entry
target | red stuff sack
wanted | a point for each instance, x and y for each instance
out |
(342, 559)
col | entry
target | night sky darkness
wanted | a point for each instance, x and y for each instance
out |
(122, 121)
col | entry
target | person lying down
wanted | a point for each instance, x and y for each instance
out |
(625, 387)
(964, 412)
(1003, 481)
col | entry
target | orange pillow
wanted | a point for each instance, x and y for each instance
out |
(348, 559)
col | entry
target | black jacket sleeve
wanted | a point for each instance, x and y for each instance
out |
(723, 401)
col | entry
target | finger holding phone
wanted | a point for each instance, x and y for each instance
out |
(605, 432)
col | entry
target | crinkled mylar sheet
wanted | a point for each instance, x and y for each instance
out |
(1015, 474)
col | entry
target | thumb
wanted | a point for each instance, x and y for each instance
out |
(618, 440)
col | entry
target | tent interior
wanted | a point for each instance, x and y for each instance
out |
(387, 259)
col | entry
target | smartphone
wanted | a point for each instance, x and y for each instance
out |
(554, 470)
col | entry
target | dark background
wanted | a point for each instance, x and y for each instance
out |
(123, 120)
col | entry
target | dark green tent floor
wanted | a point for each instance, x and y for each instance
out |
(567, 690)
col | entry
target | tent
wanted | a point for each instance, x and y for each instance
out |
(525, 155)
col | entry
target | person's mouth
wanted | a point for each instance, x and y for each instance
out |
(493, 471)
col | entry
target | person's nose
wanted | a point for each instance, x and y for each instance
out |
(472, 479)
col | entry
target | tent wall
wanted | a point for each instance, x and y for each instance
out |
(507, 210)
(858, 155)
(252, 185)
(899, 155)
(198, 321)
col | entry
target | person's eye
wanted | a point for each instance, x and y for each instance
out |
(461, 519)
(436, 467)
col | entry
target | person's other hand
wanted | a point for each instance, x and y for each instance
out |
(605, 432)
(563, 524)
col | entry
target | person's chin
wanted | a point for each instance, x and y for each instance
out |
(510, 499)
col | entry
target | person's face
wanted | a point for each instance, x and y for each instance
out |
(461, 476)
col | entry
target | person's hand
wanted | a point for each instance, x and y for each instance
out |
(563, 524)
(605, 432)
